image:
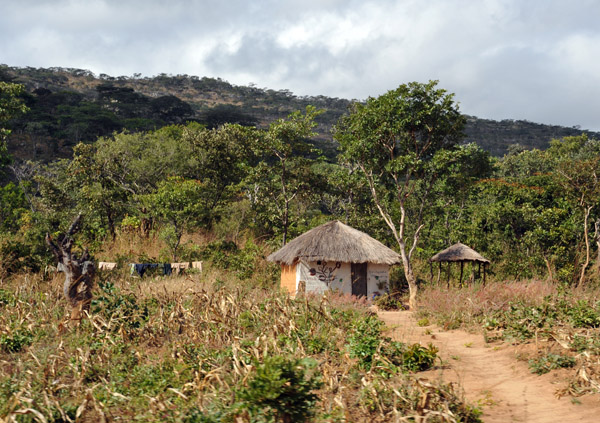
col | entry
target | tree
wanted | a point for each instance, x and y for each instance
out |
(578, 171)
(11, 105)
(284, 174)
(177, 204)
(450, 178)
(392, 139)
(79, 271)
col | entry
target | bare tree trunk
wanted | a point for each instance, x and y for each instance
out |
(399, 236)
(549, 268)
(597, 239)
(587, 244)
(285, 222)
(79, 272)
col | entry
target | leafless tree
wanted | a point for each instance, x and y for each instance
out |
(79, 271)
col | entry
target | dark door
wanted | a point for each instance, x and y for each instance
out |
(359, 279)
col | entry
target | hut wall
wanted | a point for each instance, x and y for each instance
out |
(321, 276)
(378, 278)
(288, 278)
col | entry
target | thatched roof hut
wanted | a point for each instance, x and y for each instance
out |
(335, 256)
(335, 242)
(460, 253)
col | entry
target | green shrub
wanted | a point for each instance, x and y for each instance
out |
(549, 362)
(15, 341)
(391, 301)
(281, 390)
(423, 322)
(114, 304)
(522, 320)
(194, 415)
(417, 358)
(365, 339)
(583, 315)
(7, 298)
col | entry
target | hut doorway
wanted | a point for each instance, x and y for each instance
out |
(359, 279)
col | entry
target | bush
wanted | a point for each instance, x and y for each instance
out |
(584, 315)
(15, 341)
(550, 362)
(391, 301)
(281, 389)
(364, 340)
(417, 358)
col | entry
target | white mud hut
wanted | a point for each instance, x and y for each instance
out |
(337, 257)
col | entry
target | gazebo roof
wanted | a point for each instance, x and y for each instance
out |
(459, 252)
(335, 241)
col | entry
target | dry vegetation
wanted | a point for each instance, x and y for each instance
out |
(560, 324)
(206, 349)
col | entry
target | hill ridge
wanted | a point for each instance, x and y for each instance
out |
(88, 106)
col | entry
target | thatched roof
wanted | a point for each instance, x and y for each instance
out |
(459, 252)
(335, 241)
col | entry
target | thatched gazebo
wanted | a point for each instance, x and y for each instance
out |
(459, 253)
(335, 256)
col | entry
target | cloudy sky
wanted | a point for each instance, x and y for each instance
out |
(537, 60)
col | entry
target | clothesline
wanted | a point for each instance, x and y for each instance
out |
(141, 268)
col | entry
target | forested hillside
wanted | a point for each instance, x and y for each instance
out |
(72, 105)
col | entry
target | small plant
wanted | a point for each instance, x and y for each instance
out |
(281, 389)
(15, 341)
(549, 362)
(584, 315)
(391, 301)
(423, 322)
(418, 358)
(364, 340)
(7, 298)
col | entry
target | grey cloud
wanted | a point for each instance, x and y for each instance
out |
(498, 56)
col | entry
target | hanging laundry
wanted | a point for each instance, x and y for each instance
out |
(167, 269)
(140, 268)
(197, 265)
(179, 267)
(105, 265)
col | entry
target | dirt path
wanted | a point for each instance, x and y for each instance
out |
(492, 377)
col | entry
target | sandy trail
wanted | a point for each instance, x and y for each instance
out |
(492, 377)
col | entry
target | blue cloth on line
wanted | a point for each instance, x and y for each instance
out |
(141, 268)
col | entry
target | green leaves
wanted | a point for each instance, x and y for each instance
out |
(281, 390)
(281, 184)
(11, 105)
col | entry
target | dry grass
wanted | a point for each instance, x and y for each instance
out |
(470, 302)
(558, 320)
(181, 349)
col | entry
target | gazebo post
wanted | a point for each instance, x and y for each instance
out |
(448, 272)
(462, 265)
(484, 266)
(478, 270)
(439, 272)
(430, 272)
(472, 279)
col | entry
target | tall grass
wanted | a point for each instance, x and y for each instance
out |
(189, 349)
(465, 306)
